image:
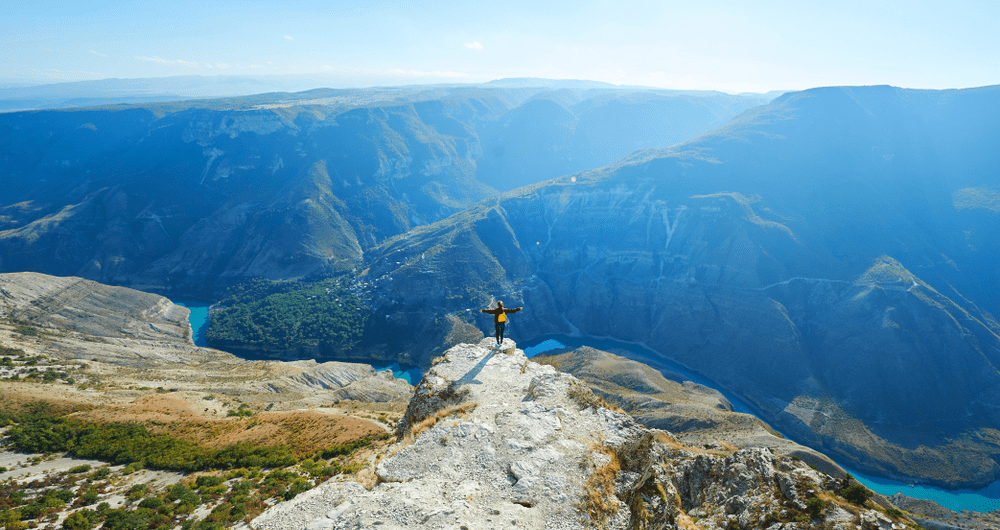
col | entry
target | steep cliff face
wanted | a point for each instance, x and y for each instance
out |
(811, 256)
(493, 440)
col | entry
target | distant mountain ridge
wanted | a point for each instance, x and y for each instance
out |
(16, 96)
(190, 197)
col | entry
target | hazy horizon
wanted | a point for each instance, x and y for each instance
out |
(724, 46)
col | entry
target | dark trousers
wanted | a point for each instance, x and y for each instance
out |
(500, 327)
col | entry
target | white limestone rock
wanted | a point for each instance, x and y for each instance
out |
(492, 440)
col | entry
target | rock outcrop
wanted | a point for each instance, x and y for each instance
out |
(349, 381)
(933, 516)
(87, 307)
(493, 440)
(699, 416)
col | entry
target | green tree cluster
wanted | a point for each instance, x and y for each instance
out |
(854, 491)
(288, 315)
(130, 443)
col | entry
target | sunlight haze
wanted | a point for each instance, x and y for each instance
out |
(727, 46)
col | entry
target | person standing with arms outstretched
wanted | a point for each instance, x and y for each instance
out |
(500, 318)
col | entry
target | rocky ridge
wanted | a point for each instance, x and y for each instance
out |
(348, 381)
(128, 335)
(68, 344)
(75, 304)
(698, 415)
(933, 516)
(493, 440)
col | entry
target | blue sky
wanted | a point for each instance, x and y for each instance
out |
(720, 45)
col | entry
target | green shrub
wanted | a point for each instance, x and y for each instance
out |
(248, 455)
(151, 502)
(212, 492)
(181, 493)
(299, 485)
(88, 498)
(122, 519)
(27, 330)
(137, 491)
(242, 488)
(62, 495)
(856, 494)
(243, 412)
(31, 511)
(207, 480)
(348, 448)
(133, 444)
(815, 506)
(81, 520)
(80, 469)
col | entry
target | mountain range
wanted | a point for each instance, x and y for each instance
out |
(189, 197)
(827, 256)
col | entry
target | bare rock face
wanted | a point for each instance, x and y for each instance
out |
(698, 415)
(493, 440)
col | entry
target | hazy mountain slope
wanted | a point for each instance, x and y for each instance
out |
(557, 132)
(217, 186)
(107, 91)
(192, 196)
(817, 256)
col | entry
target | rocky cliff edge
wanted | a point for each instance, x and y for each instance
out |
(493, 440)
